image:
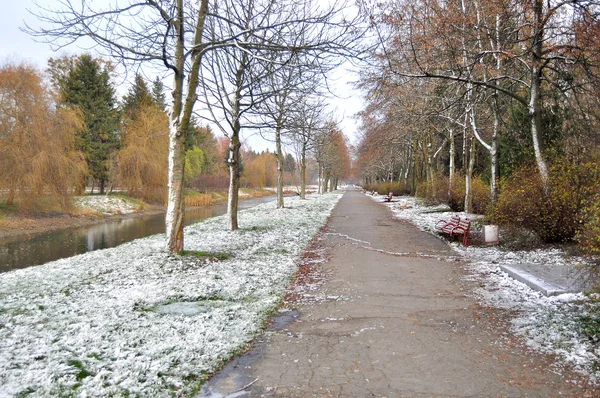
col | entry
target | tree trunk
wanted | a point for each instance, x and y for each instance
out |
(319, 178)
(234, 177)
(279, 167)
(451, 151)
(102, 182)
(469, 177)
(494, 151)
(178, 122)
(234, 184)
(303, 172)
(535, 113)
(175, 203)
(11, 197)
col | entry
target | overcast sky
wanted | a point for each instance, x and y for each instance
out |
(18, 46)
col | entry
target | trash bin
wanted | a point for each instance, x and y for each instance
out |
(490, 234)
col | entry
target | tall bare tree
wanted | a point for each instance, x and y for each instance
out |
(171, 35)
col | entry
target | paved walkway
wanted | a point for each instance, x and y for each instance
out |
(396, 323)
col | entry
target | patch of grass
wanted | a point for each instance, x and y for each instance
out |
(256, 228)
(25, 393)
(6, 209)
(83, 372)
(590, 326)
(205, 255)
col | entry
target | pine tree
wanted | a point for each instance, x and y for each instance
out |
(88, 88)
(158, 94)
(137, 97)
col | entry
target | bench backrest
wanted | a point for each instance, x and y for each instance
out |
(464, 223)
(455, 219)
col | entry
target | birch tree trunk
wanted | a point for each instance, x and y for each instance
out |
(234, 181)
(535, 113)
(179, 119)
(303, 172)
(451, 151)
(469, 177)
(279, 166)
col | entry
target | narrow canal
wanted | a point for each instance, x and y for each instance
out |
(27, 250)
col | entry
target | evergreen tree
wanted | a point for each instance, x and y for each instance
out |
(289, 163)
(88, 88)
(158, 94)
(137, 97)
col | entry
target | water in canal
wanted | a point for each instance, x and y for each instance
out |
(25, 251)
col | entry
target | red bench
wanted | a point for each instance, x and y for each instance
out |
(388, 198)
(455, 227)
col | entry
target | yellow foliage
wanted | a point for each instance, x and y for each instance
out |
(193, 198)
(261, 171)
(37, 153)
(143, 158)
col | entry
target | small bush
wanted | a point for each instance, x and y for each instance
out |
(456, 201)
(588, 238)
(434, 191)
(479, 190)
(555, 216)
(481, 195)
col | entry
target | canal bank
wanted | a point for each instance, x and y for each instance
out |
(82, 234)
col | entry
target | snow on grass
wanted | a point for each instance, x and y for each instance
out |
(134, 320)
(107, 204)
(567, 325)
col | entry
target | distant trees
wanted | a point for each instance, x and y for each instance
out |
(501, 93)
(141, 163)
(38, 153)
(333, 157)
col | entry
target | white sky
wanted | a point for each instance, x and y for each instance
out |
(18, 46)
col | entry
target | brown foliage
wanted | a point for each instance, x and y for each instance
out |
(556, 216)
(37, 153)
(142, 161)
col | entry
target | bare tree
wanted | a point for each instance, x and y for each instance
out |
(308, 119)
(171, 35)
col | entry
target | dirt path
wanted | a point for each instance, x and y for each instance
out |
(392, 319)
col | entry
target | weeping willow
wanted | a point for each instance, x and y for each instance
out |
(142, 160)
(39, 166)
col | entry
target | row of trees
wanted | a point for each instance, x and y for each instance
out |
(478, 92)
(250, 61)
(459, 77)
(57, 141)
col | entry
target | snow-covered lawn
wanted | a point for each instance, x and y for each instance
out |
(567, 325)
(106, 204)
(134, 320)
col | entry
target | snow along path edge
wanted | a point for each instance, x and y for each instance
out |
(89, 326)
(555, 325)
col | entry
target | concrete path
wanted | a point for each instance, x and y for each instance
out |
(394, 321)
